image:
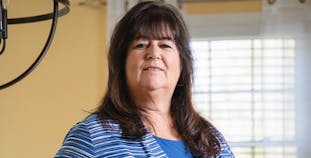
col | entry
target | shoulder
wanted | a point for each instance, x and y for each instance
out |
(93, 125)
(225, 151)
(82, 138)
(86, 128)
(86, 125)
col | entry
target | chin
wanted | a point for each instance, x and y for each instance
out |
(154, 86)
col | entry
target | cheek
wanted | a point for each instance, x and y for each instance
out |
(174, 68)
(130, 61)
(132, 64)
(175, 64)
(129, 66)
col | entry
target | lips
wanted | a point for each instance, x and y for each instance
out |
(153, 68)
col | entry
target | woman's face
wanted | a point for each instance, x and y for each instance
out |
(152, 64)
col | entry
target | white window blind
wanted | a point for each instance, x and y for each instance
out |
(246, 89)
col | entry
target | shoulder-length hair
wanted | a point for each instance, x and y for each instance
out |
(151, 19)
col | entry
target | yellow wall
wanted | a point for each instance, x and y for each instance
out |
(36, 113)
(223, 7)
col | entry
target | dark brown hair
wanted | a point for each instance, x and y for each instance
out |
(147, 19)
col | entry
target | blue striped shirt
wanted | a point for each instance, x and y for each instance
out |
(89, 139)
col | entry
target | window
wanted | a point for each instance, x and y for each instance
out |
(246, 89)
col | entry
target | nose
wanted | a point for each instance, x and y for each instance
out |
(153, 52)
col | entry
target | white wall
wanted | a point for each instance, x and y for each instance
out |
(303, 97)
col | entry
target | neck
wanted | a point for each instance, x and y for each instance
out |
(153, 101)
(159, 121)
(156, 110)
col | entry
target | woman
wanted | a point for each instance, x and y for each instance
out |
(147, 110)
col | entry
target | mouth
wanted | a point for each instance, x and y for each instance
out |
(153, 68)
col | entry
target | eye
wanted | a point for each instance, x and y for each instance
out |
(140, 45)
(165, 46)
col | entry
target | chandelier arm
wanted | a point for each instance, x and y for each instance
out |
(3, 45)
(42, 17)
(43, 52)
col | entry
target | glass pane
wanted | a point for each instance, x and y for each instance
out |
(246, 88)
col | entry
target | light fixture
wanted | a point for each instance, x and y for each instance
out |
(180, 2)
(4, 21)
(273, 1)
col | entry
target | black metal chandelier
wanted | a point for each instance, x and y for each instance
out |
(273, 1)
(4, 21)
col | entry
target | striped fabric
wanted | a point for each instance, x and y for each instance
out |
(89, 139)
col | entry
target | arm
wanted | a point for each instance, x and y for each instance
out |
(77, 143)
